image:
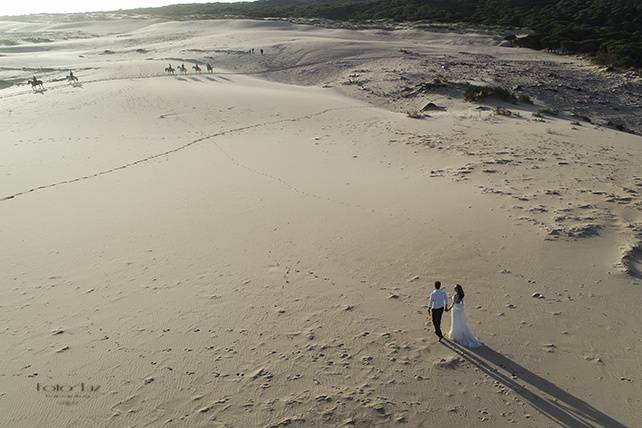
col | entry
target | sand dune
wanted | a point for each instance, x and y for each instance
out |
(254, 247)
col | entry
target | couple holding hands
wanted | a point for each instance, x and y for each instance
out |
(459, 330)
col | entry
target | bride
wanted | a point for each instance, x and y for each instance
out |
(459, 330)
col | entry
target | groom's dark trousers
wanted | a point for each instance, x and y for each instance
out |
(436, 321)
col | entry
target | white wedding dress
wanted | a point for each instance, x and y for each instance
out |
(459, 330)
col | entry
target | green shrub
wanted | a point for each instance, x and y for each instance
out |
(501, 111)
(547, 111)
(415, 114)
(525, 99)
(474, 93)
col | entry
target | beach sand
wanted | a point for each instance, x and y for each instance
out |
(254, 247)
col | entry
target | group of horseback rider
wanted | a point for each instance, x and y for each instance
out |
(71, 78)
(170, 70)
(37, 84)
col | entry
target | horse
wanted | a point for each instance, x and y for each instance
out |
(169, 70)
(196, 68)
(182, 69)
(71, 78)
(35, 84)
(210, 69)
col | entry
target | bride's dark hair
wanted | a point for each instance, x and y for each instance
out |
(460, 292)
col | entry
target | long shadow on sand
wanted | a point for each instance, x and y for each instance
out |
(555, 403)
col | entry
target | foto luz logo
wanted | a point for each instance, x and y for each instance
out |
(67, 389)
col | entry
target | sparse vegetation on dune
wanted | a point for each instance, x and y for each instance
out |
(610, 31)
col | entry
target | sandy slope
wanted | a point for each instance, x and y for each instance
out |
(223, 250)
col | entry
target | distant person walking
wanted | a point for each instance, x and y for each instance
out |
(437, 304)
(261, 51)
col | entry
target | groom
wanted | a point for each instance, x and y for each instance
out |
(437, 303)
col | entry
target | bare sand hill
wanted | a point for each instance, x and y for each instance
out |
(254, 247)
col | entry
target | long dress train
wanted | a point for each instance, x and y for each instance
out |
(459, 330)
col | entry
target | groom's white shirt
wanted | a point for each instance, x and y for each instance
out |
(438, 299)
